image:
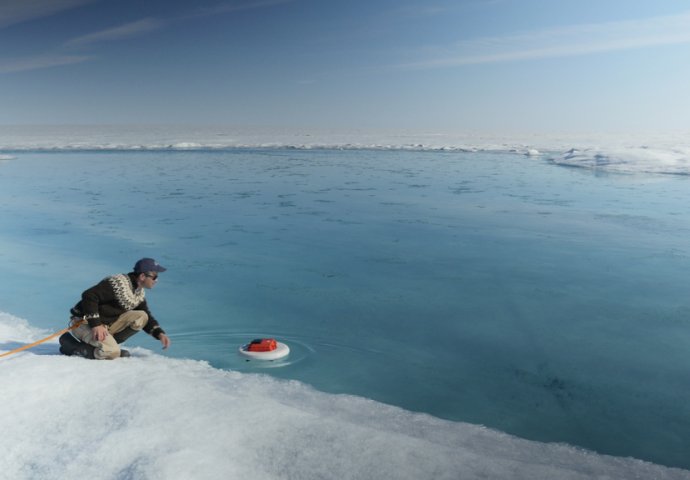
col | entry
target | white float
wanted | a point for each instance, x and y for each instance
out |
(281, 350)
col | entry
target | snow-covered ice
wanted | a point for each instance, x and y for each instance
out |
(151, 417)
(667, 152)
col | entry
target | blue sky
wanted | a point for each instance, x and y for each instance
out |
(435, 65)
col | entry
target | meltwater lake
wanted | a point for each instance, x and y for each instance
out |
(539, 299)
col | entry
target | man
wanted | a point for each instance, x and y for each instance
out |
(114, 310)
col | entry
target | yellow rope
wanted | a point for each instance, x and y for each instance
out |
(25, 347)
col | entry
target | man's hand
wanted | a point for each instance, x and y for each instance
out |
(99, 333)
(165, 341)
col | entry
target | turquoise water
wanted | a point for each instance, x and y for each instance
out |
(498, 289)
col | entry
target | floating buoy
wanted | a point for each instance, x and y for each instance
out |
(264, 349)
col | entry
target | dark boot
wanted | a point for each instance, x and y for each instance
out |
(70, 346)
(124, 353)
(120, 337)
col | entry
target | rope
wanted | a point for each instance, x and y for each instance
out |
(26, 347)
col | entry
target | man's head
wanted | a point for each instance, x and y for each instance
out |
(147, 270)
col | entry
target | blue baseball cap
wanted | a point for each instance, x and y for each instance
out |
(148, 265)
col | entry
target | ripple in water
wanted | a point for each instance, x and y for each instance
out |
(221, 349)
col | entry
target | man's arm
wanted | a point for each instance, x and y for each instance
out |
(153, 328)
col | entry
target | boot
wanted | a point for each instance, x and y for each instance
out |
(70, 346)
(120, 337)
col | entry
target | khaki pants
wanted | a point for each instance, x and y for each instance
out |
(108, 348)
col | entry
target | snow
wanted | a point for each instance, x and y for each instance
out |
(152, 417)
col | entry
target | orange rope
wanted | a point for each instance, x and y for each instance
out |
(25, 347)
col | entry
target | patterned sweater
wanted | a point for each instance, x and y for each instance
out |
(103, 303)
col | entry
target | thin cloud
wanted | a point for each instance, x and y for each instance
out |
(434, 9)
(564, 42)
(229, 7)
(18, 11)
(41, 61)
(24, 10)
(147, 25)
(128, 30)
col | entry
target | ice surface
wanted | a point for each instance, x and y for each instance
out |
(666, 159)
(150, 417)
(554, 298)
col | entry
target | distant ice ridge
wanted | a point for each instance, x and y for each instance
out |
(644, 159)
(152, 417)
(64, 138)
(666, 153)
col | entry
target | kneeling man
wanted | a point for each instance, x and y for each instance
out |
(112, 311)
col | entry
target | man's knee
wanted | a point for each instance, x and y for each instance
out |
(134, 319)
(141, 320)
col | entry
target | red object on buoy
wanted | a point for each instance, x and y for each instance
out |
(264, 349)
(262, 345)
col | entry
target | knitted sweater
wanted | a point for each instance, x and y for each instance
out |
(103, 303)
